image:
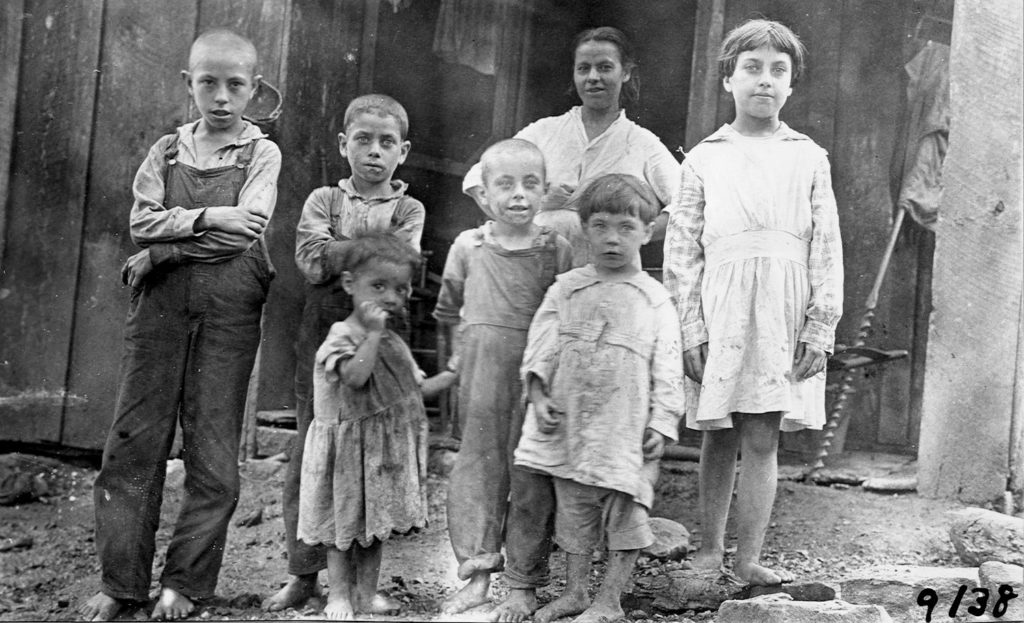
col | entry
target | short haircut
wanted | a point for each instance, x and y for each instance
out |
(380, 105)
(382, 248)
(515, 147)
(758, 33)
(630, 93)
(618, 193)
(223, 38)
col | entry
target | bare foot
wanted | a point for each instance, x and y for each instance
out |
(172, 606)
(473, 594)
(566, 605)
(753, 573)
(520, 604)
(708, 560)
(600, 613)
(379, 604)
(339, 606)
(101, 607)
(294, 594)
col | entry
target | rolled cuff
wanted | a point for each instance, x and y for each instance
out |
(695, 333)
(818, 334)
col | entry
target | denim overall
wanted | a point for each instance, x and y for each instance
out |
(190, 341)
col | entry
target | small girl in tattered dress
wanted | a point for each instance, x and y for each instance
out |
(754, 263)
(365, 459)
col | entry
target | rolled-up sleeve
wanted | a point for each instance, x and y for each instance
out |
(453, 282)
(541, 354)
(684, 257)
(668, 403)
(314, 239)
(408, 221)
(825, 264)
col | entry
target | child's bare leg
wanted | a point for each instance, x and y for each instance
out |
(101, 607)
(473, 594)
(341, 577)
(172, 606)
(717, 477)
(295, 593)
(759, 445)
(367, 563)
(575, 598)
(607, 604)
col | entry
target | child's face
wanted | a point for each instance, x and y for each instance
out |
(514, 187)
(383, 283)
(760, 84)
(374, 148)
(221, 83)
(615, 240)
(598, 74)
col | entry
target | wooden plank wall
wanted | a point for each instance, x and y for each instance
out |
(10, 53)
(54, 115)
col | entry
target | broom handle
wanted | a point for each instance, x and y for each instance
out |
(835, 415)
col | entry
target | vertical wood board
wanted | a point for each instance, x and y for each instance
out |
(45, 208)
(10, 54)
(973, 347)
(141, 97)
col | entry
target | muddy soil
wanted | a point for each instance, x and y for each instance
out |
(48, 565)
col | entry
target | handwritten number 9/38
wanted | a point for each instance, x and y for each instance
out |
(928, 598)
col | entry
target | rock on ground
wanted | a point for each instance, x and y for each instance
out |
(896, 587)
(780, 608)
(993, 575)
(671, 540)
(981, 535)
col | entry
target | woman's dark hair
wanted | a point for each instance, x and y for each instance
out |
(630, 93)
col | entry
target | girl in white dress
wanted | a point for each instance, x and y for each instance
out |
(753, 260)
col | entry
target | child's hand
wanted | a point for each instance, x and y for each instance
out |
(548, 415)
(809, 361)
(694, 360)
(233, 220)
(136, 268)
(654, 445)
(372, 316)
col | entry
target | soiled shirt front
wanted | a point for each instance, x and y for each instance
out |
(608, 351)
(333, 214)
(152, 222)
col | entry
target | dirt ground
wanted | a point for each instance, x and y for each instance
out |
(48, 565)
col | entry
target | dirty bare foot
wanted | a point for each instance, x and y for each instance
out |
(294, 594)
(753, 573)
(101, 607)
(517, 607)
(339, 606)
(473, 594)
(600, 613)
(708, 559)
(379, 603)
(566, 605)
(172, 606)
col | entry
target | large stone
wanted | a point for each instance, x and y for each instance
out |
(981, 535)
(993, 575)
(271, 440)
(896, 587)
(671, 540)
(780, 608)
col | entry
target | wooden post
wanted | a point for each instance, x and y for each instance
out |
(973, 353)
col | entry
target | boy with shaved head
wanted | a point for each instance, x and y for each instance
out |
(203, 197)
